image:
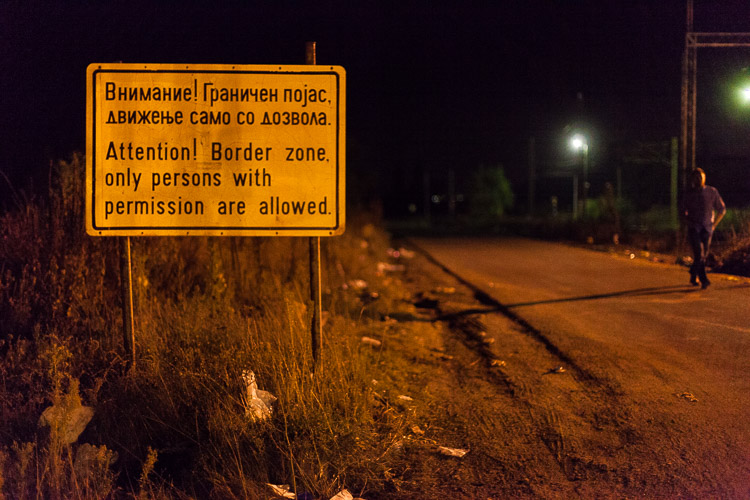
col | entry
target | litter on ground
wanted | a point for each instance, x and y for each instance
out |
(452, 452)
(688, 396)
(69, 423)
(384, 267)
(258, 404)
(281, 490)
(372, 342)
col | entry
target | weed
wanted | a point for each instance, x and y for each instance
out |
(207, 310)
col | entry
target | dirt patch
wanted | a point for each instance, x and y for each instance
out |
(481, 386)
(532, 422)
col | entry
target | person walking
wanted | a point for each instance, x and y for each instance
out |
(702, 210)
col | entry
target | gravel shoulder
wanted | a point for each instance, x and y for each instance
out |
(534, 423)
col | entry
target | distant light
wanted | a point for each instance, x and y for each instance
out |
(435, 198)
(746, 94)
(577, 142)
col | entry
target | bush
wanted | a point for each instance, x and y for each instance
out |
(207, 312)
(491, 193)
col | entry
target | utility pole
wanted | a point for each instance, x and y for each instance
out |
(693, 41)
(451, 193)
(532, 174)
(673, 182)
(426, 199)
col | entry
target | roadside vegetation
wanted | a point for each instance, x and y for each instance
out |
(224, 399)
(219, 324)
(607, 224)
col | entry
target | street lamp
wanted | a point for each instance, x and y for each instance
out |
(578, 143)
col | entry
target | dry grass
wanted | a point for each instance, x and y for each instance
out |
(207, 310)
(734, 257)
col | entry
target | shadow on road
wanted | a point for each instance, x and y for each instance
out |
(661, 290)
(495, 306)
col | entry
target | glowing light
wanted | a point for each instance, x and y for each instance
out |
(577, 142)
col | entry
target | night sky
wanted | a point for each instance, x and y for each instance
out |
(432, 85)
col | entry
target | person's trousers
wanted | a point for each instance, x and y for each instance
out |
(700, 241)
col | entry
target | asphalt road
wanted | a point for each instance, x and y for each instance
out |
(664, 367)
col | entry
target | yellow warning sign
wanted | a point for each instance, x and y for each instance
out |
(215, 150)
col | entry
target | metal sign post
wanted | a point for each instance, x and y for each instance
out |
(126, 295)
(126, 284)
(316, 328)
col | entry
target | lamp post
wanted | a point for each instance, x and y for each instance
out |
(578, 143)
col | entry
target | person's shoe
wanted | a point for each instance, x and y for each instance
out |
(705, 284)
(694, 281)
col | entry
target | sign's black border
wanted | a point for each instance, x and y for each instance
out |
(221, 229)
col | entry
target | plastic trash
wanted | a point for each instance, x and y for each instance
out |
(342, 495)
(452, 452)
(357, 284)
(688, 396)
(258, 404)
(371, 342)
(68, 423)
(401, 253)
(383, 267)
(685, 260)
(281, 490)
(406, 254)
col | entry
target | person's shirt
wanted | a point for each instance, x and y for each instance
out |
(701, 207)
